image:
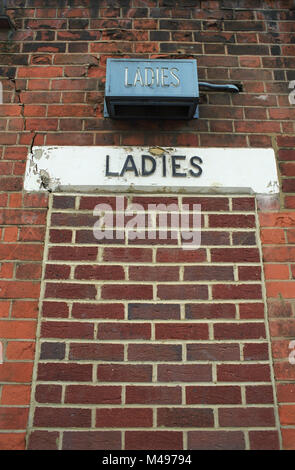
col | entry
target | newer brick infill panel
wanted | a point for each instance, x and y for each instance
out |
(144, 345)
(52, 72)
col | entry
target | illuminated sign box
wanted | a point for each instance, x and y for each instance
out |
(151, 89)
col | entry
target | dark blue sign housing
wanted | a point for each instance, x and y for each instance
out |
(151, 89)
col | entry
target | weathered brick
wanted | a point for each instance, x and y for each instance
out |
(241, 417)
(20, 350)
(16, 395)
(116, 331)
(251, 310)
(277, 288)
(153, 395)
(284, 327)
(213, 395)
(154, 352)
(52, 351)
(62, 417)
(243, 373)
(249, 273)
(70, 253)
(97, 351)
(12, 441)
(92, 440)
(256, 352)
(46, 72)
(215, 238)
(184, 373)
(43, 440)
(124, 373)
(285, 392)
(239, 331)
(231, 291)
(13, 417)
(240, 255)
(208, 203)
(127, 255)
(48, 393)
(20, 372)
(143, 311)
(72, 219)
(68, 329)
(100, 272)
(216, 440)
(178, 331)
(56, 271)
(154, 273)
(208, 273)
(87, 394)
(28, 271)
(21, 252)
(210, 310)
(63, 202)
(276, 219)
(127, 291)
(176, 255)
(70, 291)
(100, 310)
(185, 417)
(55, 309)
(244, 238)
(288, 438)
(284, 371)
(124, 417)
(15, 329)
(213, 352)
(153, 440)
(276, 271)
(259, 394)
(182, 291)
(264, 440)
(33, 234)
(65, 372)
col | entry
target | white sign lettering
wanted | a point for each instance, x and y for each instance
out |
(148, 77)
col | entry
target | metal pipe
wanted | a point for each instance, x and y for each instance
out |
(226, 87)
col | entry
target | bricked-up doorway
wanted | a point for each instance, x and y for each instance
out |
(145, 345)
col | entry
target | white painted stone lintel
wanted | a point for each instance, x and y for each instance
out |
(82, 169)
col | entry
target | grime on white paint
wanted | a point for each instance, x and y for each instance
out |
(292, 353)
(292, 93)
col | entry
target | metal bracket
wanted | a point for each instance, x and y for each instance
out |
(5, 20)
(6, 23)
(223, 87)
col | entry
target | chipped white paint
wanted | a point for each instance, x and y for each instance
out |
(262, 97)
(292, 93)
(224, 170)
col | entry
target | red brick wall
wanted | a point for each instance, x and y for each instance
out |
(141, 335)
(277, 237)
(52, 69)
